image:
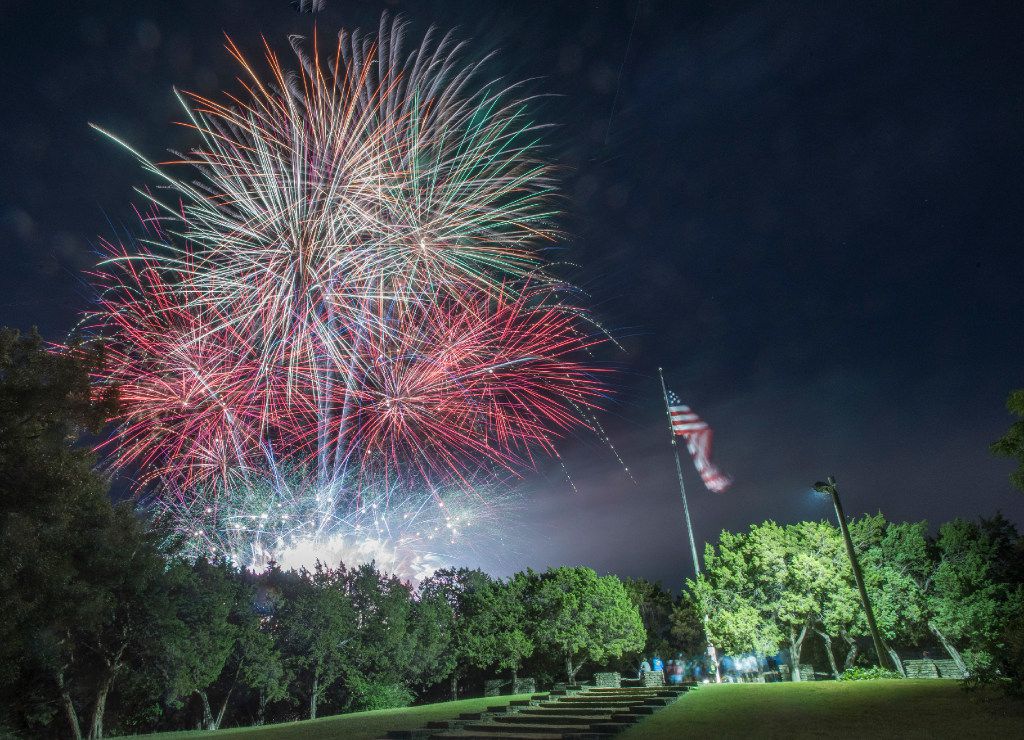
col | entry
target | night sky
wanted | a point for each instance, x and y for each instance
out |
(810, 215)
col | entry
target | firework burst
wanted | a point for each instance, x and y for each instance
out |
(350, 284)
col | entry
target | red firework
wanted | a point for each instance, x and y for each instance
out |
(437, 389)
(360, 287)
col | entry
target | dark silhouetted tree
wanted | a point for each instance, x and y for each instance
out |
(1011, 444)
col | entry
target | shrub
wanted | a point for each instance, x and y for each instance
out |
(1006, 669)
(368, 694)
(979, 660)
(871, 673)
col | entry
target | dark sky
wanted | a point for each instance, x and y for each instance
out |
(809, 214)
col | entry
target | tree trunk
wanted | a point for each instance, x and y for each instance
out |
(312, 698)
(895, 658)
(715, 660)
(571, 670)
(96, 726)
(515, 678)
(953, 652)
(261, 715)
(69, 707)
(113, 666)
(207, 714)
(851, 652)
(827, 639)
(796, 643)
(455, 686)
(223, 709)
(208, 722)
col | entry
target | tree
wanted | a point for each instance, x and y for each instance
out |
(965, 599)
(83, 582)
(432, 623)
(382, 645)
(459, 589)
(137, 629)
(687, 628)
(315, 622)
(1011, 444)
(47, 491)
(1008, 647)
(113, 619)
(896, 560)
(736, 598)
(953, 587)
(736, 624)
(775, 585)
(500, 628)
(1007, 561)
(258, 662)
(811, 571)
(656, 607)
(208, 595)
(261, 667)
(582, 616)
(746, 589)
(829, 582)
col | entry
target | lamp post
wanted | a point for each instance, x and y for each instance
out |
(831, 489)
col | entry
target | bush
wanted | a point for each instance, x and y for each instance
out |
(368, 694)
(979, 661)
(1012, 657)
(871, 673)
(1006, 668)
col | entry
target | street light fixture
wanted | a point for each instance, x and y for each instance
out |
(829, 487)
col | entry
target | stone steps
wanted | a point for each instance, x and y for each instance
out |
(474, 735)
(659, 701)
(627, 693)
(531, 729)
(565, 714)
(555, 710)
(609, 706)
(562, 719)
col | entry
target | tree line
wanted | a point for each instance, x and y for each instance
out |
(959, 591)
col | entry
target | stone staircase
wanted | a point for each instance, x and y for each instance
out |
(928, 668)
(568, 714)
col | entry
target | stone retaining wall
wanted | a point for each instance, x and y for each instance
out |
(524, 686)
(654, 678)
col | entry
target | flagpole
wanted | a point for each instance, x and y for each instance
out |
(712, 653)
(679, 474)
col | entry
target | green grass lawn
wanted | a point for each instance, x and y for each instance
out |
(853, 709)
(903, 709)
(357, 726)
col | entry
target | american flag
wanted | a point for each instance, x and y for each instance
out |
(697, 433)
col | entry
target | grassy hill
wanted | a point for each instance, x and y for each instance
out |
(903, 709)
(356, 726)
(847, 709)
